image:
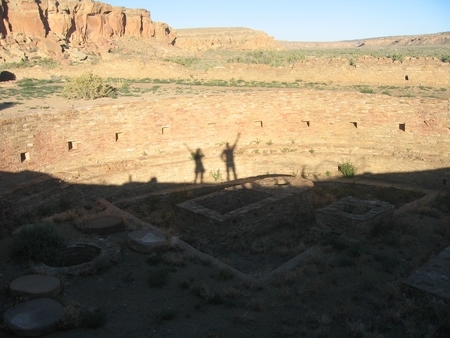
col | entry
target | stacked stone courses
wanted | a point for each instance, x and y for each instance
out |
(354, 217)
(368, 70)
(282, 132)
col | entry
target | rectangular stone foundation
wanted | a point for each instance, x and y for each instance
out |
(241, 209)
(352, 216)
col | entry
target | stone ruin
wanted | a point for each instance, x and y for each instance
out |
(243, 208)
(352, 216)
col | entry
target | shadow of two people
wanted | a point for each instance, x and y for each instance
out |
(227, 156)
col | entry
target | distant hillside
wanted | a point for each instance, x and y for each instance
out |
(438, 39)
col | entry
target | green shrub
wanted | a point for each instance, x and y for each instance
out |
(25, 63)
(87, 86)
(184, 61)
(445, 58)
(37, 243)
(366, 90)
(396, 57)
(347, 169)
(268, 57)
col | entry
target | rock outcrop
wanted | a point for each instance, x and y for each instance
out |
(201, 39)
(55, 26)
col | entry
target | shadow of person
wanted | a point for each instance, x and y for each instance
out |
(199, 168)
(228, 157)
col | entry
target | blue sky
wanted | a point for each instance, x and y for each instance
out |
(313, 20)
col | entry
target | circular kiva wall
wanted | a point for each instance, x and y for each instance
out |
(284, 132)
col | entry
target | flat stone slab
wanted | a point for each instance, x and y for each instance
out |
(35, 286)
(434, 276)
(145, 240)
(104, 225)
(34, 318)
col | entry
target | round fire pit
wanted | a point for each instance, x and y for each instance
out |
(82, 256)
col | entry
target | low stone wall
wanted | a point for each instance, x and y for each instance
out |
(262, 203)
(366, 70)
(352, 216)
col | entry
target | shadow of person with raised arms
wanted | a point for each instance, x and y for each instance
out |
(199, 168)
(228, 156)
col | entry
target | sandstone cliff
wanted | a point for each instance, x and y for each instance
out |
(201, 39)
(54, 25)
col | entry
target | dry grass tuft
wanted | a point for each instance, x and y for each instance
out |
(286, 293)
(261, 246)
(287, 278)
(71, 317)
(223, 274)
(254, 286)
(356, 329)
(207, 294)
(316, 257)
(322, 198)
(174, 258)
(232, 293)
(256, 304)
(426, 210)
(242, 317)
(405, 226)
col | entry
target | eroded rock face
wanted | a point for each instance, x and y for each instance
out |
(75, 22)
(201, 39)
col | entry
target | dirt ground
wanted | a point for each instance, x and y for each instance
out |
(343, 289)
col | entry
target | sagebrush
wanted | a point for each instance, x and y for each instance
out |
(37, 243)
(88, 86)
(347, 169)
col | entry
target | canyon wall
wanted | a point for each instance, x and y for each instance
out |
(202, 39)
(75, 21)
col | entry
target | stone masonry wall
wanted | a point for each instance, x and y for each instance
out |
(367, 70)
(285, 132)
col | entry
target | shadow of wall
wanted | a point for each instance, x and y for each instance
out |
(47, 193)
